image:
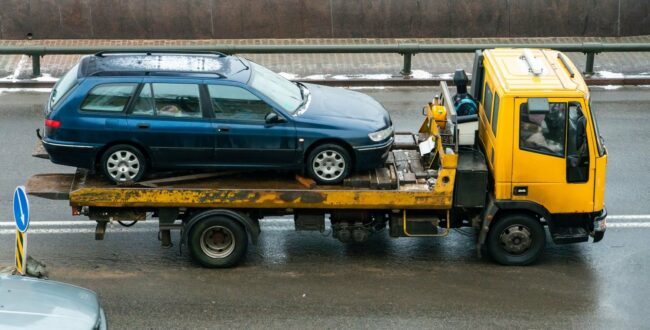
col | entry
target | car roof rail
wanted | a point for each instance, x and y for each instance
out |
(165, 52)
(153, 73)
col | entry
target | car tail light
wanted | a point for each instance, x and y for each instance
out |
(52, 123)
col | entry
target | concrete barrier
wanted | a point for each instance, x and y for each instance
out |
(216, 19)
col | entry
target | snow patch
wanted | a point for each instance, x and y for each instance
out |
(421, 74)
(290, 76)
(379, 76)
(609, 74)
(46, 77)
(25, 90)
(316, 77)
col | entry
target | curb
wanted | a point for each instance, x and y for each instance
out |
(391, 82)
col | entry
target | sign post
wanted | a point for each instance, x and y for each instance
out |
(21, 216)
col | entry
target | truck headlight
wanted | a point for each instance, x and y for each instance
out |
(381, 134)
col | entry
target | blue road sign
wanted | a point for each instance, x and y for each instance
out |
(21, 209)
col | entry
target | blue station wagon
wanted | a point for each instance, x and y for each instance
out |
(127, 114)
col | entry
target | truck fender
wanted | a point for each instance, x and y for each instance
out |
(252, 227)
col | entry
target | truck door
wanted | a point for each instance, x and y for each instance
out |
(553, 164)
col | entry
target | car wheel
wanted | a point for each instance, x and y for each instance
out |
(123, 163)
(328, 164)
(516, 240)
(218, 242)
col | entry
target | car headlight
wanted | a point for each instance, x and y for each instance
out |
(381, 134)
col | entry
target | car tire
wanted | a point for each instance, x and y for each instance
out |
(123, 163)
(226, 249)
(516, 240)
(328, 164)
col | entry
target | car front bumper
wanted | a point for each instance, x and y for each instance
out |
(372, 156)
(71, 154)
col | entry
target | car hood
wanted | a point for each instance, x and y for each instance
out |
(331, 102)
(30, 303)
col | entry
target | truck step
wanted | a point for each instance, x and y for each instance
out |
(568, 235)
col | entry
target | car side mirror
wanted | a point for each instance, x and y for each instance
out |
(273, 118)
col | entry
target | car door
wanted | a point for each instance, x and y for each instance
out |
(168, 119)
(244, 137)
(553, 164)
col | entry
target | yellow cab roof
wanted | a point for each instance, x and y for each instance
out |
(514, 74)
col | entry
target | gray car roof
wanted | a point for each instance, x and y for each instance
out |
(210, 65)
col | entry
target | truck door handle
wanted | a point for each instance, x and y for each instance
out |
(223, 129)
(143, 125)
(520, 191)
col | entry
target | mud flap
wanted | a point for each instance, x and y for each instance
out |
(488, 215)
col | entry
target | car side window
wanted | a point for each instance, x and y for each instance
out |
(236, 103)
(108, 97)
(177, 100)
(544, 133)
(143, 104)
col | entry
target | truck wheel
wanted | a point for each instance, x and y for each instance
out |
(328, 164)
(516, 240)
(123, 163)
(218, 242)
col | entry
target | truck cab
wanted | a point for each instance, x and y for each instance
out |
(541, 142)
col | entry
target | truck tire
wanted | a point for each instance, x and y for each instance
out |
(328, 164)
(516, 240)
(218, 242)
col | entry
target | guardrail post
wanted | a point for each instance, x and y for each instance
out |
(589, 66)
(36, 65)
(406, 69)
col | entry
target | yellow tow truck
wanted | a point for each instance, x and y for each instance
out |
(530, 158)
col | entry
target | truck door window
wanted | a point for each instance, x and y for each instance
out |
(543, 133)
(495, 114)
(577, 147)
(487, 102)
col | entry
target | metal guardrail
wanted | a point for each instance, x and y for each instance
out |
(406, 50)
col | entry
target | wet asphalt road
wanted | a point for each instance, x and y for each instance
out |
(303, 280)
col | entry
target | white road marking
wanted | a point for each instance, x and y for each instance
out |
(269, 224)
(629, 217)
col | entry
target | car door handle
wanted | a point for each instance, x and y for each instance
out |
(143, 125)
(223, 129)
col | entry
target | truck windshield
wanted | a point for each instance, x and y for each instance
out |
(599, 139)
(64, 85)
(283, 92)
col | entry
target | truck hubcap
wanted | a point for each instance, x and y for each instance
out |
(123, 165)
(329, 165)
(516, 239)
(217, 242)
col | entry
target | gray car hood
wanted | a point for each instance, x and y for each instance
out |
(30, 303)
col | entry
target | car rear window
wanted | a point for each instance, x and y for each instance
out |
(64, 85)
(108, 97)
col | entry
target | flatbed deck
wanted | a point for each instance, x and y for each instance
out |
(258, 190)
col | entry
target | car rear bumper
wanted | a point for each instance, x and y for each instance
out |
(70, 153)
(372, 156)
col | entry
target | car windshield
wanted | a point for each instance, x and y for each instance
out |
(282, 91)
(64, 85)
